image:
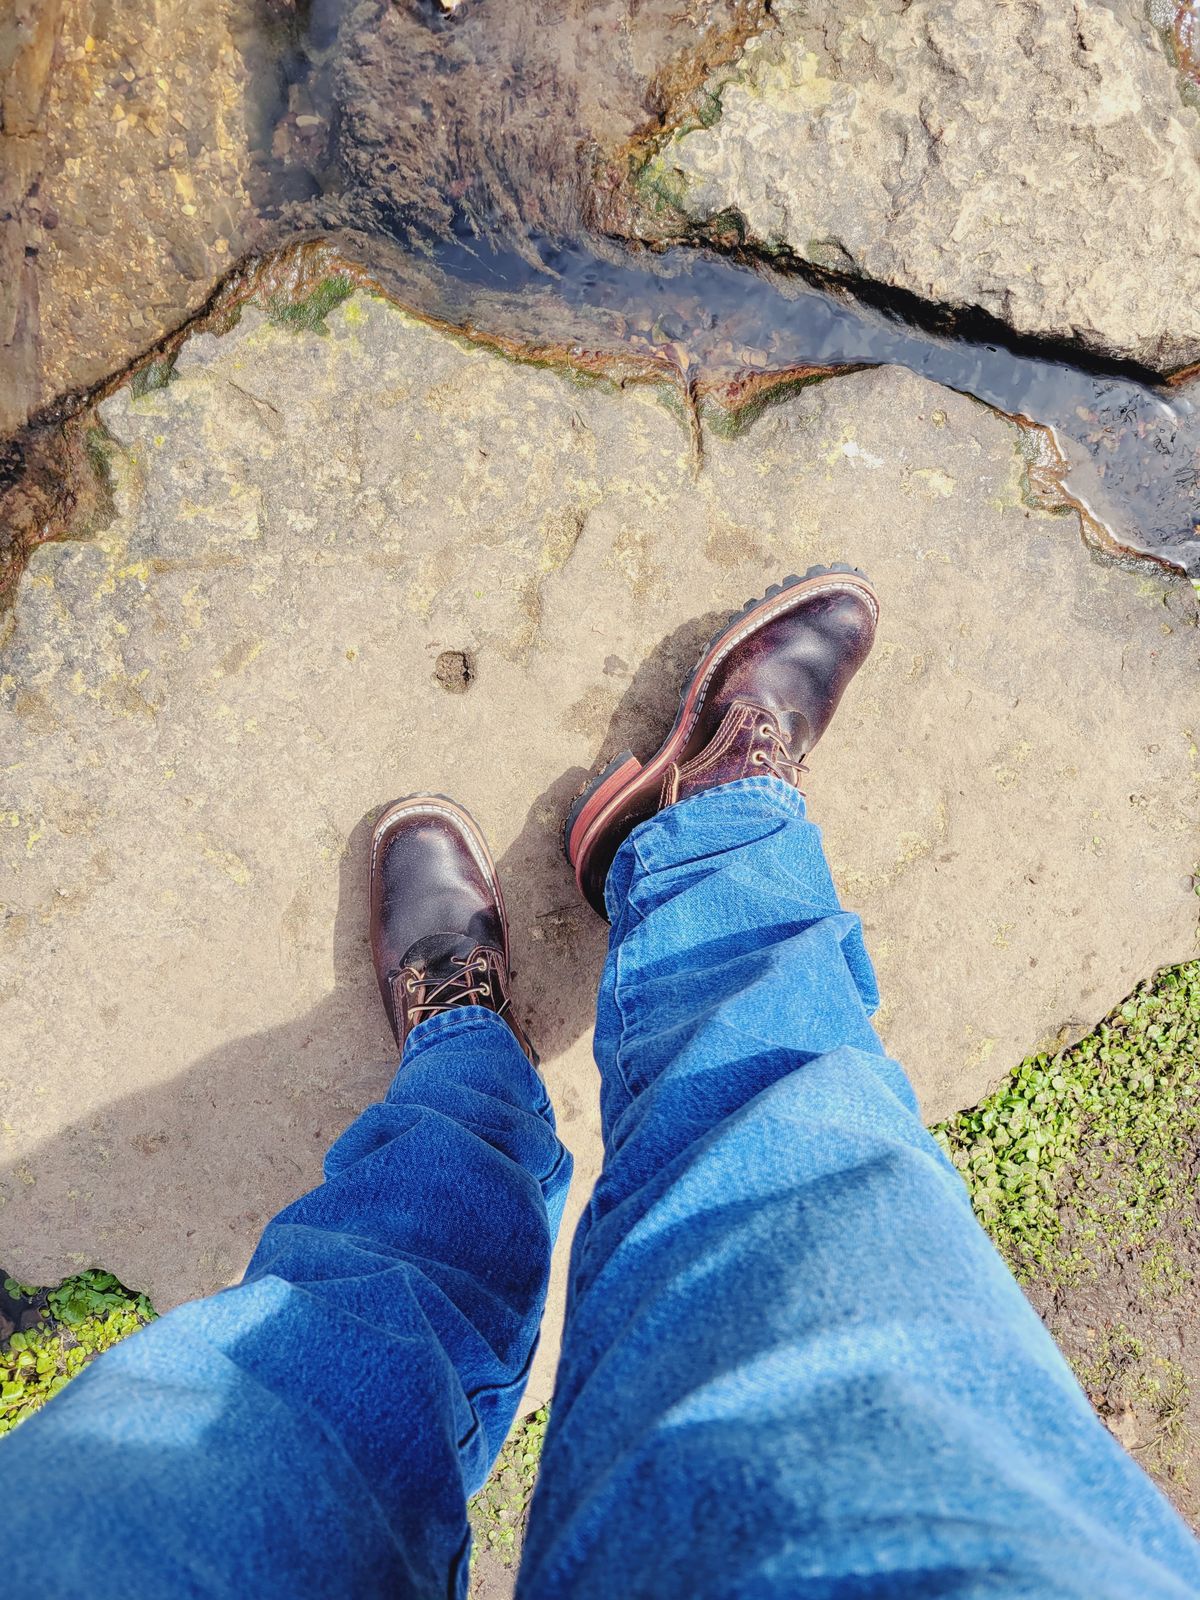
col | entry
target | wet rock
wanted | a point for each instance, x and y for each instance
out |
(203, 707)
(124, 156)
(28, 36)
(1039, 162)
(145, 149)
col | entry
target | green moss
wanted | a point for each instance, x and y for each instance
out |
(577, 377)
(75, 1322)
(1109, 1125)
(154, 375)
(661, 186)
(725, 423)
(708, 109)
(98, 446)
(498, 1511)
(308, 315)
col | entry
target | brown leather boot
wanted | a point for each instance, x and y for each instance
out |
(439, 932)
(762, 694)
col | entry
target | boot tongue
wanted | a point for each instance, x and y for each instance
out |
(433, 952)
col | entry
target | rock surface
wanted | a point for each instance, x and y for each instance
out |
(1036, 161)
(123, 183)
(202, 710)
(28, 35)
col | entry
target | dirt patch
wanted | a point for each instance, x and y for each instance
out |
(455, 671)
(1130, 1334)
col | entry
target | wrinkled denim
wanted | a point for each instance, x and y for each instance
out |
(793, 1364)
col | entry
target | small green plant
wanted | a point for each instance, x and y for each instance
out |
(499, 1510)
(1171, 1404)
(75, 1321)
(1109, 1123)
(1114, 1368)
(308, 314)
(1127, 1378)
(1162, 1276)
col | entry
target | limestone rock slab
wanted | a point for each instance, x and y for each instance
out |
(136, 194)
(202, 710)
(1039, 162)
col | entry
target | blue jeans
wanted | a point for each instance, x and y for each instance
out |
(793, 1364)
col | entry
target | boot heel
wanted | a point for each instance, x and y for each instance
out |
(593, 797)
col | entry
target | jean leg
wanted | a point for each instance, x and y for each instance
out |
(793, 1363)
(316, 1429)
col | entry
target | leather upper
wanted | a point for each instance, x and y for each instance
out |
(439, 934)
(773, 693)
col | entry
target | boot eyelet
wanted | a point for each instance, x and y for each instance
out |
(758, 759)
(485, 988)
(409, 986)
(766, 730)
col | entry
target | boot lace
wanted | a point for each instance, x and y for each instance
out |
(469, 985)
(779, 763)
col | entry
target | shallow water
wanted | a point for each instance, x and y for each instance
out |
(464, 159)
(473, 211)
(1131, 446)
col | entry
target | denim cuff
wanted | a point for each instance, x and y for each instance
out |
(456, 1023)
(657, 842)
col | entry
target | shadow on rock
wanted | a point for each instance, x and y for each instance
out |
(558, 941)
(158, 1162)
